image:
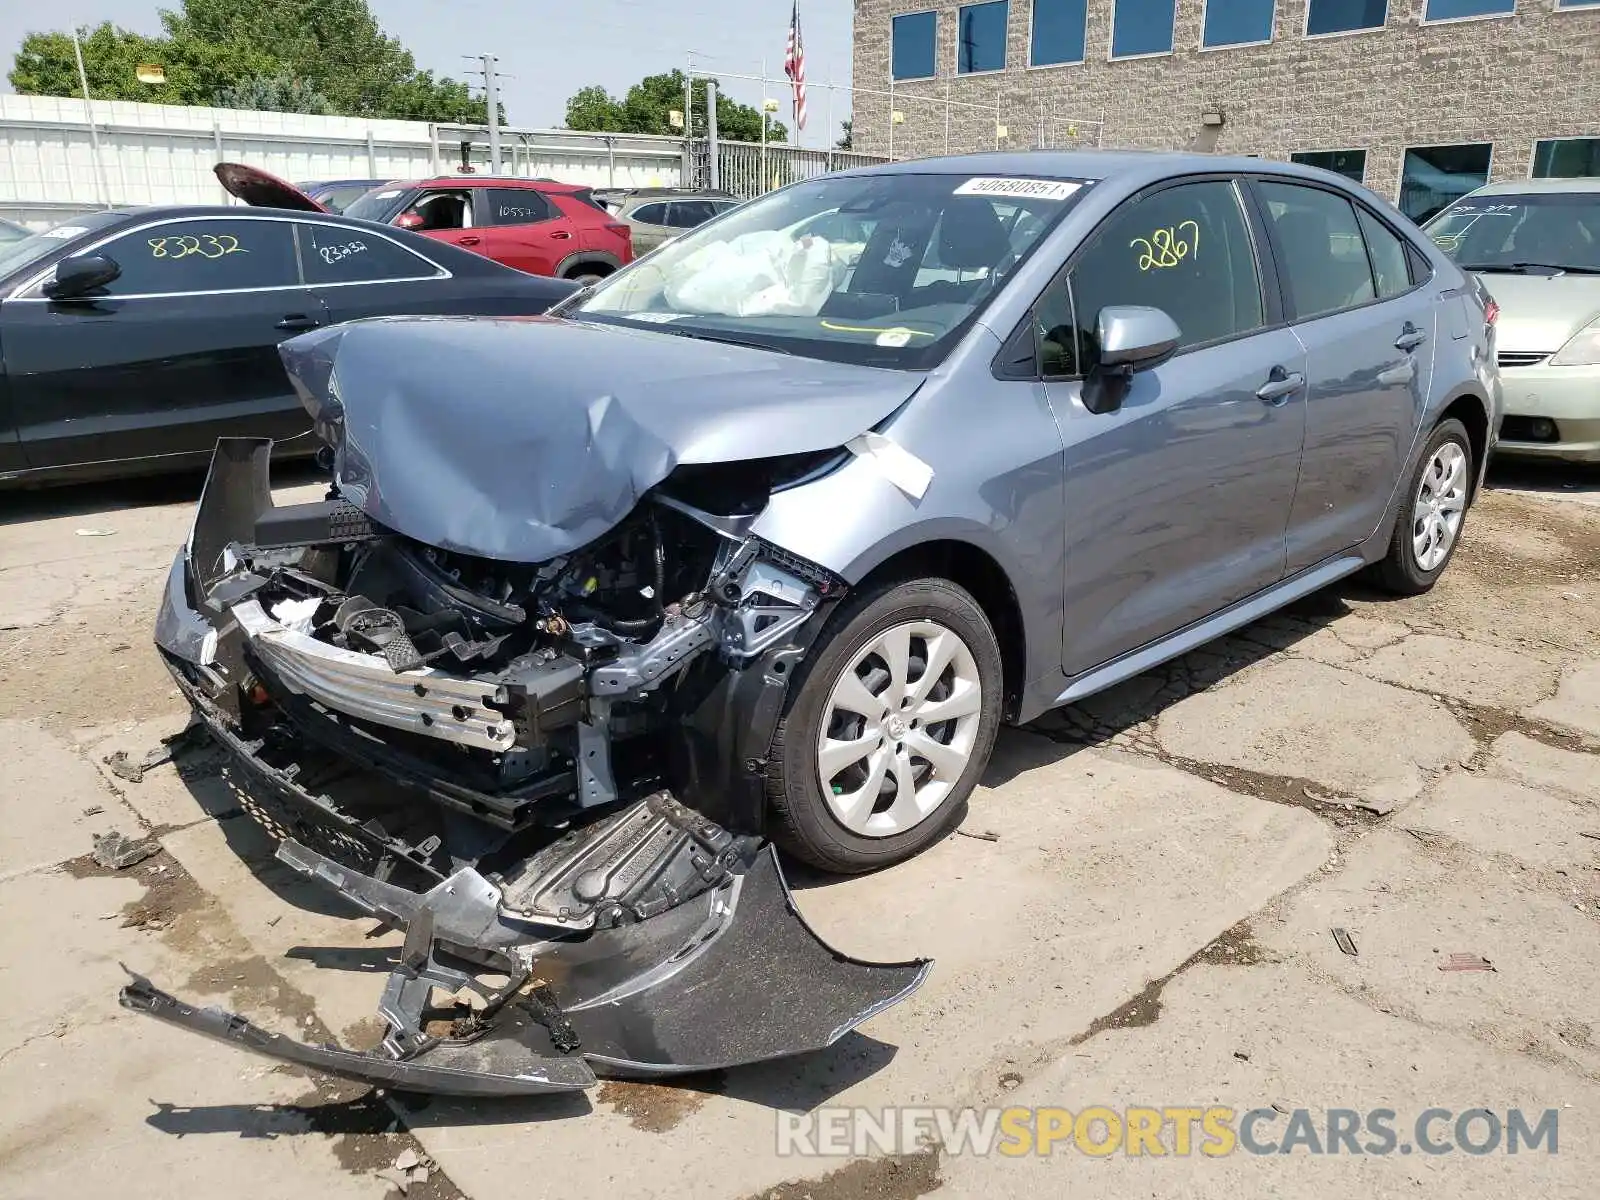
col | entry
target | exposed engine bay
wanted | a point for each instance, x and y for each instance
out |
(564, 769)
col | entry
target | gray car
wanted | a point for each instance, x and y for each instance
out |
(1536, 242)
(762, 539)
(657, 215)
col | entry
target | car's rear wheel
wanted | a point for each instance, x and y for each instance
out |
(890, 724)
(1429, 526)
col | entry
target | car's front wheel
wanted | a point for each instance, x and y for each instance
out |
(889, 725)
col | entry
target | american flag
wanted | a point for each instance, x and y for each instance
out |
(794, 66)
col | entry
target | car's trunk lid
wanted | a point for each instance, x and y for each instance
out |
(261, 190)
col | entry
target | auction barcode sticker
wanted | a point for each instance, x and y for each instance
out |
(1038, 189)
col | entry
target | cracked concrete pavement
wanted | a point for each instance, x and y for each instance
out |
(1151, 926)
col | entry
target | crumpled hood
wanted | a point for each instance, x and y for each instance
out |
(524, 439)
(1540, 313)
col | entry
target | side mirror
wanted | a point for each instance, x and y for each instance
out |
(409, 220)
(1132, 339)
(78, 276)
(1136, 339)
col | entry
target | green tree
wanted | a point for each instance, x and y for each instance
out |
(280, 93)
(648, 103)
(334, 50)
(844, 140)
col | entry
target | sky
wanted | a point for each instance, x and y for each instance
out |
(551, 48)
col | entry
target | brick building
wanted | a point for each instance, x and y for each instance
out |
(1420, 99)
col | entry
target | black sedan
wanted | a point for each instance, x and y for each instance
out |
(130, 341)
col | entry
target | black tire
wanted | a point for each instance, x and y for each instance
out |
(583, 278)
(1399, 571)
(804, 824)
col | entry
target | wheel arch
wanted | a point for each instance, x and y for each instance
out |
(588, 258)
(1470, 408)
(981, 574)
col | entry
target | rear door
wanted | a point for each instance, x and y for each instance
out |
(1368, 335)
(650, 228)
(357, 273)
(522, 229)
(181, 348)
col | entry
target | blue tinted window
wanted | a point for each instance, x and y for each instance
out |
(981, 37)
(1142, 27)
(913, 36)
(1576, 3)
(1566, 158)
(1444, 10)
(1352, 164)
(1341, 16)
(1232, 22)
(1433, 176)
(1058, 31)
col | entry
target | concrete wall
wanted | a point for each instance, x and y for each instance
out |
(1509, 81)
(163, 154)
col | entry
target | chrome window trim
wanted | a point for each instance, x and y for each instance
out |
(38, 280)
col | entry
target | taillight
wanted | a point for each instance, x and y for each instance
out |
(627, 229)
(1491, 311)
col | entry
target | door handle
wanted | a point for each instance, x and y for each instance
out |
(1280, 385)
(298, 321)
(1410, 338)
(469, 240)
(560, 236)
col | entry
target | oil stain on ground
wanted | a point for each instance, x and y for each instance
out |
(895, 1177)
(652, 1107)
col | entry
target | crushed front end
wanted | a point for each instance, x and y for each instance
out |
(549, 774)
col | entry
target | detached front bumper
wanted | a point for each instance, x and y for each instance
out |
(1551, 412)
(656, 944)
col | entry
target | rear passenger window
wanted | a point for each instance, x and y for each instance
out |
(1322, 256)
(651, 214)
(333, 255)
(516, 206)
(686, 214)
(1185, 250)
(215, 255)
(1388, 254)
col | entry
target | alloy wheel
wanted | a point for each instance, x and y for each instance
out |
(1440, 504)
(899, 728)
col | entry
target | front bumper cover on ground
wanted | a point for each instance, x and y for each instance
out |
(652, 944)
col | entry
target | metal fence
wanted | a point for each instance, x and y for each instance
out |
(747, 169)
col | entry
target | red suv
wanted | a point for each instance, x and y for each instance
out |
(535, 225)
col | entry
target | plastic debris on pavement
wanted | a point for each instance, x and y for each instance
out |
(116, 852)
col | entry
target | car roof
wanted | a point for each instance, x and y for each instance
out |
(319, 184)
(1134, 166)
(537, 184)
(669, 192)
(1523, 186)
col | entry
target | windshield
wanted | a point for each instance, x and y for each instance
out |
(885, 270)
(17, 257)
(1539, 230)
(340, 198)
(379, 204)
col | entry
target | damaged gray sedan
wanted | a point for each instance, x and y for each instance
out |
(758, 542)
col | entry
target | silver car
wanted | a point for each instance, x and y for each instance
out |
(761, 539)
(1537, 244)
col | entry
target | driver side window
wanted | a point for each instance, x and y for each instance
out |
(1185, 250)
(443, 210)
